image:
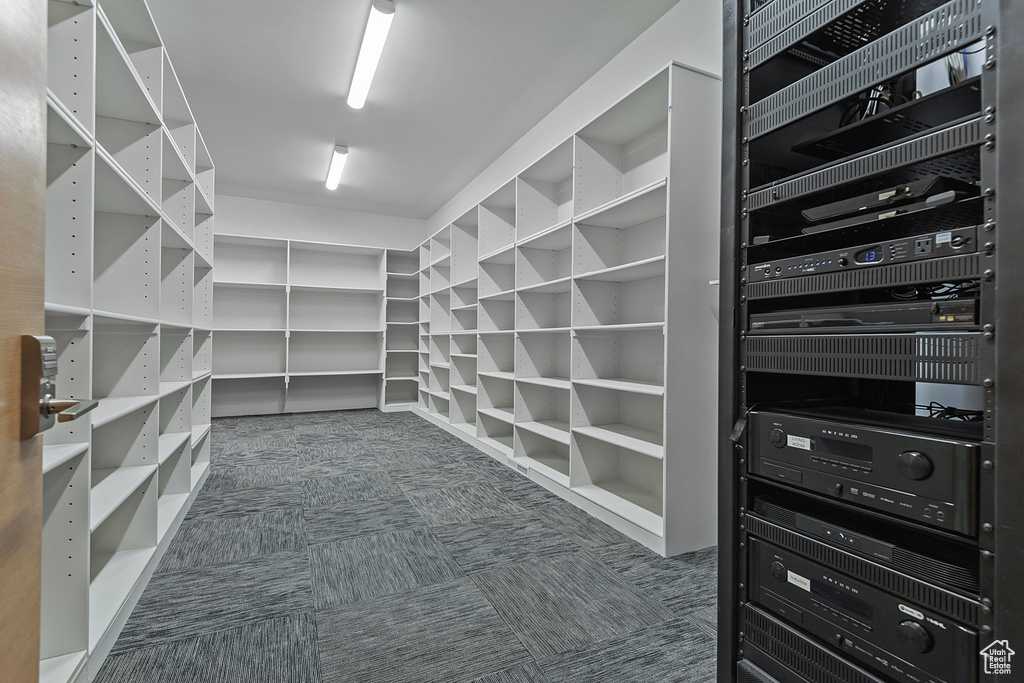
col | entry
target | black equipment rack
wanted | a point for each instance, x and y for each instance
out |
(794, 72)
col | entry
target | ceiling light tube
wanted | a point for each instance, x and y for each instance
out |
(338, 160)
(377, 27)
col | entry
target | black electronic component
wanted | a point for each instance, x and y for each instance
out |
(905, 193)
(892, 317)
(926, 479)
(918, 248)
(897, 637)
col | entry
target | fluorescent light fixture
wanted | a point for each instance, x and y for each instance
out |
(338, 160)
(381, 14)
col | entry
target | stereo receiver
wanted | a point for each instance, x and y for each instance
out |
(927, 479)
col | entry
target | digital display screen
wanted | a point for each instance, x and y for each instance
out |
(842, 599)
(844, 449)
(872, 255)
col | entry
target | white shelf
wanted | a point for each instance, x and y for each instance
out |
(559, 286)
(339, 290)
(110, 588)
(60, 669)
(625, 436)
(552, 466)
(640, 270)
(623, 327)
(337, 373)
(503, 414)
(114, 487)
(553, 382)
(58, 454)
(464, 355)
(498, 375)
(507, 295)
(443, 395)
(249, 285)
(116, 407)
(199, 375)
(168, 388)
(631, 385)
(169, 443)
(198, 432)
(168, 507)
(247, 375)
(556, 430)
(464, 388)
(502, 443)
(626, 501)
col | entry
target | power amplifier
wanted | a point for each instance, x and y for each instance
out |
(896, 637)
(930, 480)
(919, 248)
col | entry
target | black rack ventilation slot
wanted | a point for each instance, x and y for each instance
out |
(949, 358)
(798, 653)
(778, 16)
(772, 38)
(950, 269)
(748, 673)
(955, 24)
(952, 605)
(915, 150)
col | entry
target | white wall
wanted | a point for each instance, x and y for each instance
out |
(690, 33)
(261, 218)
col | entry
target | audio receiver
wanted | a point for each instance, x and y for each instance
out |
(930, 480)
(919, 248)
(896, 637)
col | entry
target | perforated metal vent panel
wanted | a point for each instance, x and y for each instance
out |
(748, 673)
(955, 24)
(769, 42)
(949, 604)
(781, 14)
(915, 150)
(917, 272)
(798, 653)
(950, 358)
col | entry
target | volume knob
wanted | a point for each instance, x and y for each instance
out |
(778, 570)
(915, 637)
(777, 438)
(914, 465)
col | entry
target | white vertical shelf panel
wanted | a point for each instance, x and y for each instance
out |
(124, 287)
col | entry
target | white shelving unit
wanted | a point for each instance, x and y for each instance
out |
(593, 366)
(302, 325)
(129, 200)
(401, 339)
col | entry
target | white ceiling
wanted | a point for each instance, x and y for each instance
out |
(459, 82)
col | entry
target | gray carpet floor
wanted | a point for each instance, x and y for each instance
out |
(366, 547)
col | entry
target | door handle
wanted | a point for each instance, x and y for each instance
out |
(66, 410)
(39, 409)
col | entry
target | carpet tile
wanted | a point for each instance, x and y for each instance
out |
(370, 566)
(680, 583)
(359, 486)
(672, 652)
(461, 504)
(565, 602)
(500, 541)
(242, 502)
(179, 604)
(440, 634)
(215, 540)
(442, 476)
(360, 518)
(257, 476)
(524, 673)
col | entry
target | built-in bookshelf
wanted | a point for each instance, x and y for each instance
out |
(129, 199)
(302, 325)
(554, 355)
